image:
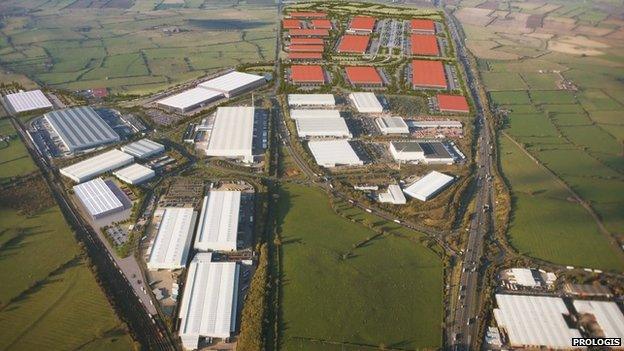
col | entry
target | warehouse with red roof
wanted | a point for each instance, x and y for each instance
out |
(424, 45)
(305, 48)
(452, 103)
(428, 74)
(296, 56)
(321, 24)
(308, 33)
(353, 44)
(307, 75)
(306, 41)
(423, 26)
(291, 24)
(363, 76)
(306, 14)
(362, 24)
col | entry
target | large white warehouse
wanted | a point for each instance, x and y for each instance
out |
(309, 113)
(322, 127)
(232, 134)
(391, 125)
(94, 166)
(428, 186)
(429, 152)
(607, 314)
(233, 83)
(190, 99)
(80, 128)
(135, 174)
(173, 241)
(332, 153)
(366, 102)
(98, 198)
(143, 148)
(327, 100)
(394, 195)
(209, 301)
(218, 223)
(28, 101)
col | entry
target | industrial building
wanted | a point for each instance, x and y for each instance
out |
(218, 222)
(25, 101)
(232, 133)
(307, 41)
(307, 74)
(321, 24)
(394, 195)
(606, 313)
(353, 44)
(322, 128)
(307, 14)
(332, 153)
(309, 113)
(99, 198)
(311, 100)
(310, 33)
(209, 302)
(364, 76)
(366, 102)
(291, 24)
(191, 99)
(135, 174)
(424, 151)
(362, 25)
(305, 48)
(233, 83)
(143, 148)
(173, 241)
(428, 186)
(296, 56)
(423, 26)
(94, 166)
(534, 321)
(80, 128)
(424, 45)
(391, 125)
(434, 124)
(527, 278)
(452, 103)
(428, 74)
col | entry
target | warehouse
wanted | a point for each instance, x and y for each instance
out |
(353, 44)
(209, 302)
(305, 14)
(307, 41)
(291, 24)
(24, 101)
(423, 26)
(534, 321)
(322, 24)
(143, 148)
(173, 241)
(307, 75)
(191, 99)
(135, 174)
(99, 197)
(428, 152)
(424, 45)
(94, 166)
(233, 83)
(322, 128)
(606, 313)
(232, 133)
(362, 24)
(434, 124)
(305, 114)
(332, 153)
(310, 33)
(452, 103)
(428, 74)
(305, 48)
(218, 223)
(391, 125)
(527, 277)
(366, 102)
(311, 100)
(394, 195)
(80, 128)
(428, 186)
(363, 76)
(301, 56)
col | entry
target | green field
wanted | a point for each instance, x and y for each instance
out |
(385, 292)
(14, 158)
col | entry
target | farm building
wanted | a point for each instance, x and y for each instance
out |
(311, 100)
(606, 313)
(307, 41)
(296, 56)
(428, 186)
(135, 174)
(534, 321)
(321, 24)
(233, 83)
(391, 125)
(366, 102)
(94, 166)
(143, 148)
(362, 24)
(424, 45)
(394, 195)
(173, 241)
(332, 153)
(191, 99)
(306, 14)
(452, 103)
(423, 26)
(232, 133)
(428, 74)
(25, 101)
(428, 152)
(210, 300)
(218, 223)
(310, 33)
(322, 127)
(353, 44)
(308, 113)
(306, 48)
(99, 197)
(80, 128)
(291, 24)
(363, 76)
(307, 75)
(434, 124)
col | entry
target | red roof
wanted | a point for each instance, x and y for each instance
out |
(424, 44)
(423, 25)
(305, 14)
(453, 103)
(305, 48)
(308, 33)
(363, 75)
(291, 24)
(99, 92)
(305, 56)
(307, 74)
(353, 44)
(362, 23)
(306, 41)
(428, 74)
(322, 24)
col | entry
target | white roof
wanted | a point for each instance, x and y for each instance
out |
(392, 125)
(97, 197)
(94, 166)
(218, 223)
(366, 102)
(191, 97)
(232, 134)
(428, 186)
(524, 277)
(81, 128)
(135, 173)
(210, 299)
(329, 153)
(534, 321)
(143, 148)
(28, 101)
(322, 127)
(305, 113)
(231, 81)
(434, 124)
(393, 195)
(608, 316)
(173, 240)
(311, 100)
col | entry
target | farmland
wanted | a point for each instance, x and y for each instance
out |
(14, 159)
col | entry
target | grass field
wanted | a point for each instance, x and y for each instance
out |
(14, 158)
(385, 292)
